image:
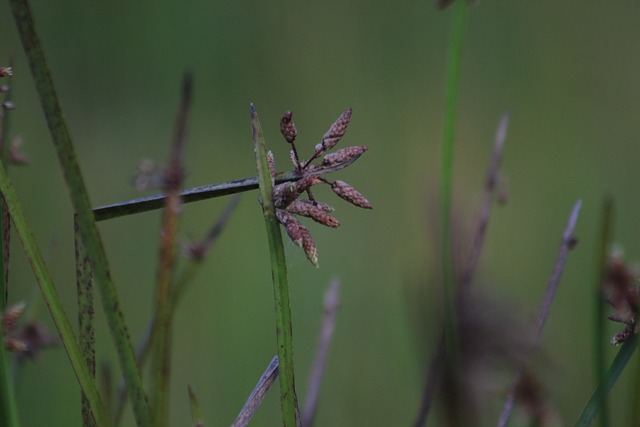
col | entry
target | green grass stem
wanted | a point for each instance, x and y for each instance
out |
(174, 176)
(8, 405)
(446, 177)
(81, 205)
(86, 318)
(614, 371)
(600, 340)
(284, 331)
(80, 368)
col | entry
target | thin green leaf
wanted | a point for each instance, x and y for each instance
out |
(600, 341)
(616, 368)
(284, 332)
(86, 321)
(81, 205)
(83, 374)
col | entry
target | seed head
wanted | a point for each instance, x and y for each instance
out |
(335, 132)
(350, 194)
(309, 209)
(288, 128)
(299, 235)
(344, 156)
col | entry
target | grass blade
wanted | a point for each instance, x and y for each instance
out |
(284, 331)
(8, 405)
(446, 178)
(616, 368)
(83, 374)
(81, 205)
(258, 394)
(86, 321)
(599, 344)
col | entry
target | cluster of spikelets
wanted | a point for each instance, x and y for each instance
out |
(620, 289)
(286, 196)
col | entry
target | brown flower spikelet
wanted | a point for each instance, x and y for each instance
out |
(299, 235)
(285, 193)
(344, 155)
(288, 128)
(316, 213)
(350, 194)
(335, 132)
(292, 225)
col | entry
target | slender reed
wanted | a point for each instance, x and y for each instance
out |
(437, 361)
(331, 306)
(566, 245)
(599, 342)
(86, 318)
(173, 178)
(284, 332)
(446, 178)
(82, 207)
(8, 404)
(50, 295)
(258, 394)
(614, 371)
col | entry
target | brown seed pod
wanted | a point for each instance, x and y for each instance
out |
(309, 209)
(299, 235)
(344, 156)
(350, 194)
(288, 128)
(291, 225)
(335, 132)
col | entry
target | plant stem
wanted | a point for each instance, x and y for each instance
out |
(174, 175)
(86, 318)
(85, 379)
(616, 368)
(599, 344)
(453, 75)
(81, 205)
(284, 332)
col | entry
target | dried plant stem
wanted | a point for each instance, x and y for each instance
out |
(258, 394)
(284, 331)
(485, 210)
(86, 321)
(82, 207)
(163, 313)
(561, 259)
(466, 279)
(331, 306)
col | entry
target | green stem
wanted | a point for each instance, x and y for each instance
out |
(81, 205)
(599, 346)
(453, 76)
(284, 332)
(8, 406)
(86, 322)
(85, 379)
(616, 368)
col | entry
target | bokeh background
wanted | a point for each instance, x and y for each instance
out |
(566, 71)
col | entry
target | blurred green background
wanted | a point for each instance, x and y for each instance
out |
(567, 72)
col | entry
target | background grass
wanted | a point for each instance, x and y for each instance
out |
(567, 73)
